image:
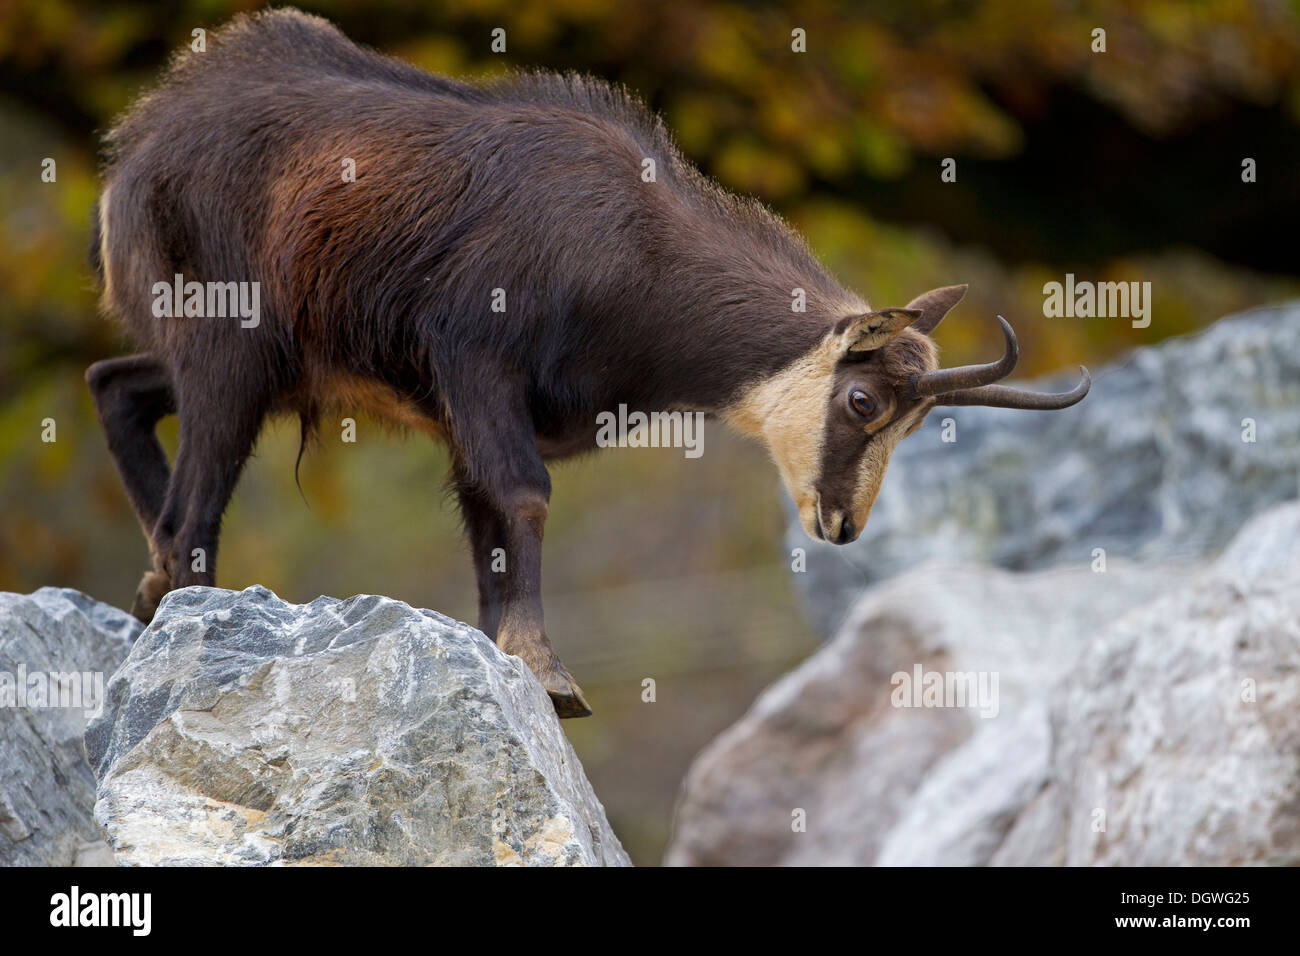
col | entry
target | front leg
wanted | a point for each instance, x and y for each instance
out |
(522, 631)
(504, 493)
(486, 531)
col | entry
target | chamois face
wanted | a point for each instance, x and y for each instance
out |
(869, 410)
(832, 418)
(841, 412)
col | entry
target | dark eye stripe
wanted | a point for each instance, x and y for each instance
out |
(843, 446)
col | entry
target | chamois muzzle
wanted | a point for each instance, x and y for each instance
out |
(973, 384)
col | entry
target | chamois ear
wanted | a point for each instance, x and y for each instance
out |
(871, 330)
(934, 305)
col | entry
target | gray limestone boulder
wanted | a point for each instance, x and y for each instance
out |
(1144, 715)
(57, 651)
(246, 730)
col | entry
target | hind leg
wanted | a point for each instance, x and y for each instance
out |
(131, 395)
(219, 426)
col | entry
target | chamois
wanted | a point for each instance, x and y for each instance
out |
(496, 273)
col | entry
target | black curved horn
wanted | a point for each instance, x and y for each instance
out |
(944, 380)
(1003, 396)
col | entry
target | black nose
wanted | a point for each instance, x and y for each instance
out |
(846, 532)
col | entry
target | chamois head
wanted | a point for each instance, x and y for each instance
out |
(832, 418)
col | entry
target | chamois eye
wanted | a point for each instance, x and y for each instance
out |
(862, 403)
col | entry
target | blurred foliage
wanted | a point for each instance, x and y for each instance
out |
(1123, 165)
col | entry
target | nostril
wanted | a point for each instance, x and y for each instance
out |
(846, 531)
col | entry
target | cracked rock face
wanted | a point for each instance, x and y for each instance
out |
(245, 730)
(1144, 716)
(57, 650)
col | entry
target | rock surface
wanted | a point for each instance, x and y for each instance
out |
(1147, 715)
(47, 791)
(246, 730)
(1152, 464)
(1183, 722)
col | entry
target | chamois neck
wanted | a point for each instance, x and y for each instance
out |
(752, 307)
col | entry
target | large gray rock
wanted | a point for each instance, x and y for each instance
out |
(57, 650)
(1144, 715)
(1151, 464)
(245, 730)
(1181, 724)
